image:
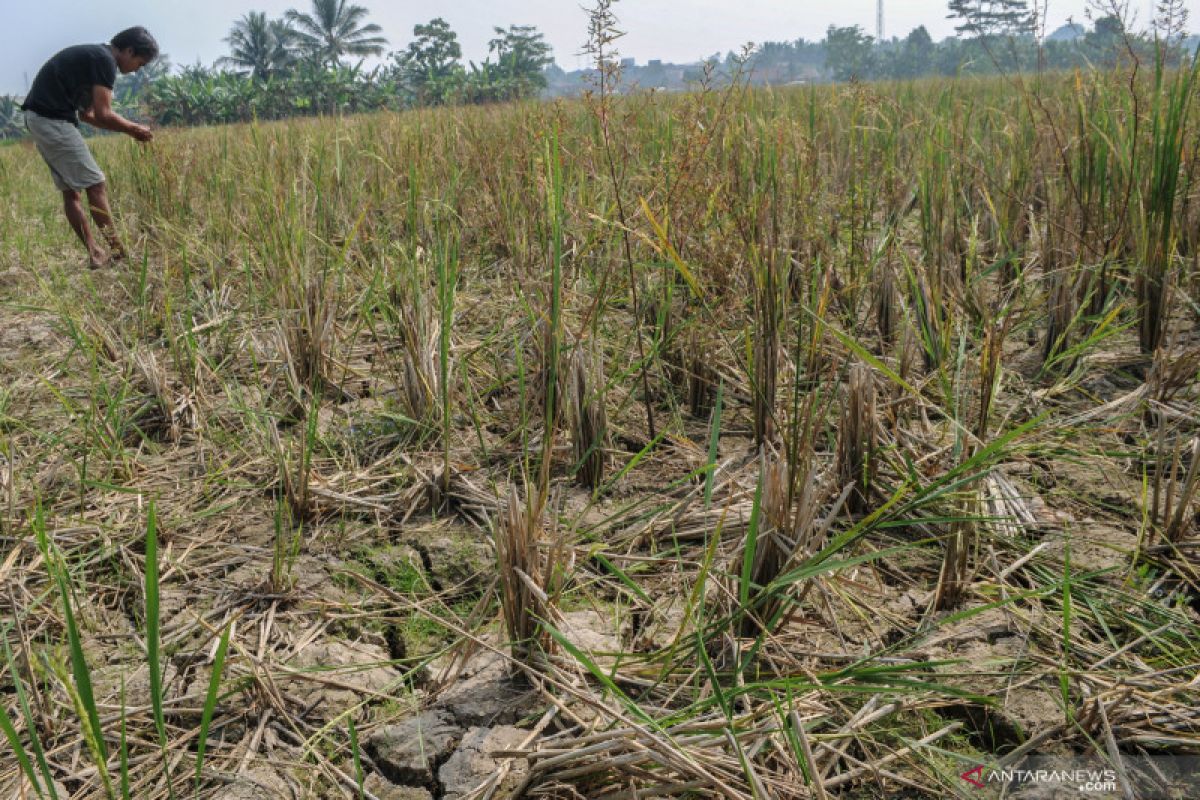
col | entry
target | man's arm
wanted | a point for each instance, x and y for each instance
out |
(102, 115)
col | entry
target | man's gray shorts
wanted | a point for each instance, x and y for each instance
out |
(65, 152)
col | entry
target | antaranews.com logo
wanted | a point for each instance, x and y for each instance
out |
(1085, 780)
(1144, 777)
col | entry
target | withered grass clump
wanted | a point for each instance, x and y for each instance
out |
(858, 439)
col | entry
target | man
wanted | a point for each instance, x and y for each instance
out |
(77, 83)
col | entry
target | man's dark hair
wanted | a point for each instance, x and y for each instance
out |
(139, 39)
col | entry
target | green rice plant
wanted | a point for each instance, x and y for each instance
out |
(153, 641)
(553, 375)
(931, 323)
(1171, 106)
(446, 270)
(285, 546)
(79, 682)
(210, 702)
(357, 757)
(46, 784)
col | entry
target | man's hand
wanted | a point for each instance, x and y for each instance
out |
(101, 115)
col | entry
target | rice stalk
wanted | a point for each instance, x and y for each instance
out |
(702, 376)
(1060, 312)
(588, 418)
(785, 529)
(858, 432)
(420, 334)
(886, 302)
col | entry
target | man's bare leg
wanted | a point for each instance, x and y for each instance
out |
(98, 201)
(74, 211)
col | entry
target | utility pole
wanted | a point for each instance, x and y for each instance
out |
(879, 21)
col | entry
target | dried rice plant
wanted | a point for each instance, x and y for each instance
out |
(929, 320)
(702, 377)
(418, 378)
(858, 438)
(543, 344)
(886, 306)
(767, 352)
(172, 410)
(530, 561)
(296, 473)
(1174, 491)
(305, 340)
(588, 419)
(1170, 374)
(952, 579)
(789, 531)
(8, 491)
(1060, 311)
(989, 373)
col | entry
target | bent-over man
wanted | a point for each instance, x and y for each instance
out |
(77, 84)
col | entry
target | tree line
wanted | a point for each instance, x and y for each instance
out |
(312, 62)
(297, 65)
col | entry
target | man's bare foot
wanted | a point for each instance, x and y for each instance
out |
(98, 261)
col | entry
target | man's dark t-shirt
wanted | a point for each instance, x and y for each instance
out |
(64, 84)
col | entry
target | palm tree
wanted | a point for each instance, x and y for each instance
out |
(259, 46)
(333, 30)
(10, 117)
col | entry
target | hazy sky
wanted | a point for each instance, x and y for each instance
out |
(673, 30)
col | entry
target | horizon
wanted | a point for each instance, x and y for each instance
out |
(673, 31)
